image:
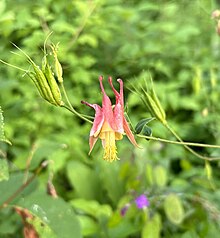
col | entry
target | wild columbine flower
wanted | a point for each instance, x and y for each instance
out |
(109, 124)
(142, 201)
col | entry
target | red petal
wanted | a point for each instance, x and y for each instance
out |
(129, 133)
(107, 107)
(119, 96)
(99, 119)
(118, 116)
(92, 141)
(119, 107)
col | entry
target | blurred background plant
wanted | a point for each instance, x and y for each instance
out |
(177, 42)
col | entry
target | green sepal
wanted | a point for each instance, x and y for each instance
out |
(142, 123)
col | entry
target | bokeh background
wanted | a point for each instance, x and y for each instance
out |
(174, 40)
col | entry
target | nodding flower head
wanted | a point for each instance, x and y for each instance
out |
(109, 124)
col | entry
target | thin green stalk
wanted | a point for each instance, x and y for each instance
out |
(70, 108)
(188, 148)
(179, 143)
(11, 65)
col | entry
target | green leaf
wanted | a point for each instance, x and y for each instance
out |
(10, 186)
(149, 174)
(142, 123)
(83, 179)
(147, 131)
(38, 225)
(56, 213)
(123, 230)
(160, 176)
(152, 227)
(4, 173)
(174, 209)
(89, 225)
(92, 208)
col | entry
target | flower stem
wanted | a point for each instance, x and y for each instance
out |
(70, 108)
(186, 145)
(13, 66)
(178, 142)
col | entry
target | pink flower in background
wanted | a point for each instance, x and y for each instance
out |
(109, 124)
(142, 201)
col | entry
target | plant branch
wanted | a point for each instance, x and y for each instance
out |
(190, 149)
(178, 142)
(70, 108)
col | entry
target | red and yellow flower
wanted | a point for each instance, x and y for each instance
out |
(110, 124)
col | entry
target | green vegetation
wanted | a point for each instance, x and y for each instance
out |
(49, 185)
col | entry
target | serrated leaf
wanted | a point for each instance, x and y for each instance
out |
(4, 171)
(174, 209)
(139, 127)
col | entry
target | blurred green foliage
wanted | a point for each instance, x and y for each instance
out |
(174, 40)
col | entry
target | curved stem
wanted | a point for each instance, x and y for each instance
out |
(178, 142)
(187, 147)
(13, 66)
(70, 108)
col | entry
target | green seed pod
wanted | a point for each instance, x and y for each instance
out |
(53, 85)
(44, 63)
(154, 110)
(32, 76)
(156, 100)
(43, 84)
(41, 80)
(58, 67)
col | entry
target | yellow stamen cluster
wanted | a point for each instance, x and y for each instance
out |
(110, 149)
